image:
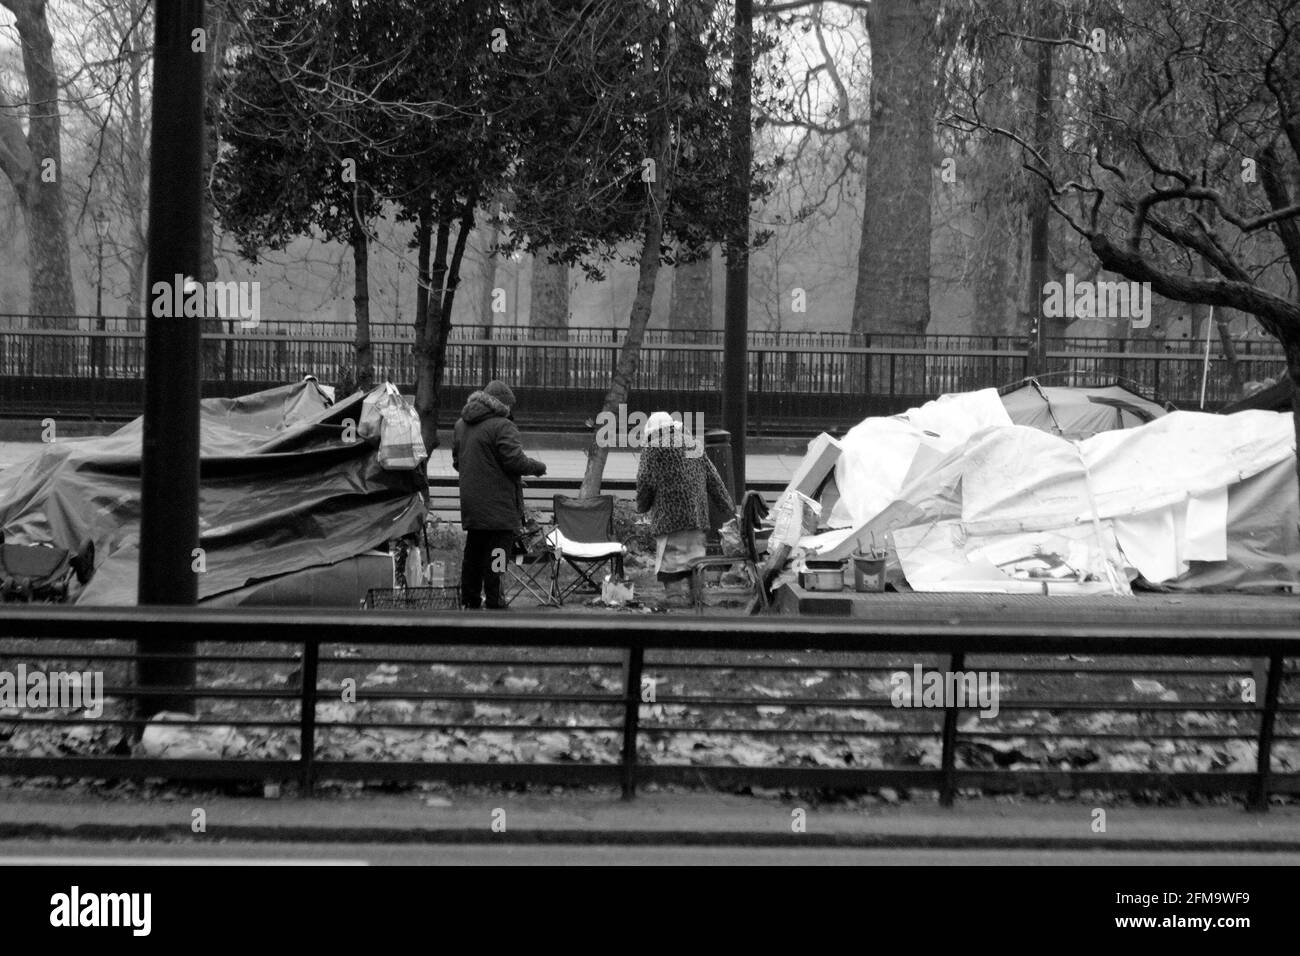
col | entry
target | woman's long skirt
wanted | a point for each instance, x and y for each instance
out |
(676, 552)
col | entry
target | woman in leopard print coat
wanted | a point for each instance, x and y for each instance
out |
(675, 483)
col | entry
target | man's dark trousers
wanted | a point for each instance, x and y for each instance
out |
(483, 550)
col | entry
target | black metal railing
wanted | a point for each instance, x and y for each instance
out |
(403, 331)
(562, 383)
(560, 699)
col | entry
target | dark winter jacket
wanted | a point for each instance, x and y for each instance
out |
(676, 489)
(490, 458)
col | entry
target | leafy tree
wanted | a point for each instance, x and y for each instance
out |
(448, 159)
(299, 152)
(338, 114)
(622, 132)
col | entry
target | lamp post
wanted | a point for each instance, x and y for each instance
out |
(735, 337)
(101, 232)
(169, 466)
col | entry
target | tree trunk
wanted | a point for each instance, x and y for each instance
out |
(1293, 369)
(213, 349)
(629, 356)
(135, 174)
(548, 308)
(34, 164)
(424, 401)
(364, 360)
(992, 278)
(1224, 322)
(999, 240)
(893, 282)
(1039, 211)
(486, 317)
(691, 308)
(548, 316)
(442, 299)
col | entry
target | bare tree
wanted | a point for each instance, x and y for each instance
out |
(32, 161)
(1180, 157)
(109, 92)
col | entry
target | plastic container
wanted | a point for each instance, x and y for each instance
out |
(869, 571)
(821, 575)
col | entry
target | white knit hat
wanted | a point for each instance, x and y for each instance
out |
(658, 421)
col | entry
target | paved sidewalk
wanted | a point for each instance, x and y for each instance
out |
(560, 462)
(571, 463)
(585, 817)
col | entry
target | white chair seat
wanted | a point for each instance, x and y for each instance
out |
(583, 549)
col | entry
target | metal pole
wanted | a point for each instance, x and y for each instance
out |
(1263, 769)
(169, 467)
(1039, 209)
(99, 285)
(632, 670)
(97, 343)
(735, 359)
(948, 756)
(1205, 370)
(307, 718)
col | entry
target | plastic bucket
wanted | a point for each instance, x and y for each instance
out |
(869, 572)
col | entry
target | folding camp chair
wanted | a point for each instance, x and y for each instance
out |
(529, 571)
(583, 538)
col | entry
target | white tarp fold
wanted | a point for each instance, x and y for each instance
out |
(879, 455)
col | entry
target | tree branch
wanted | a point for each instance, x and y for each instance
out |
(768, 9)
(1279, 317)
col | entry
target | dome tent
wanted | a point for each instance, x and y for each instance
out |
(1076, 413)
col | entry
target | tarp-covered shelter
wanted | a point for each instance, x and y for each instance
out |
(287, 488)
(968, 500)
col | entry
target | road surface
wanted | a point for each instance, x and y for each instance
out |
(79, 853)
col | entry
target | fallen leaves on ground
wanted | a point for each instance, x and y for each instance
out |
(681, 726)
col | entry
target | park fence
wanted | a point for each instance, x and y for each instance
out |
(798, 383)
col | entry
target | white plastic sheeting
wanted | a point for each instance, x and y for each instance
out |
(879, 455)
(1030, 477)
(971, 499)
(941, 556)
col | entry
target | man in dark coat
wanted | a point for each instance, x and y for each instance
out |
(487, 453)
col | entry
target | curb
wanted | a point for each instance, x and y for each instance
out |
(254, 833)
